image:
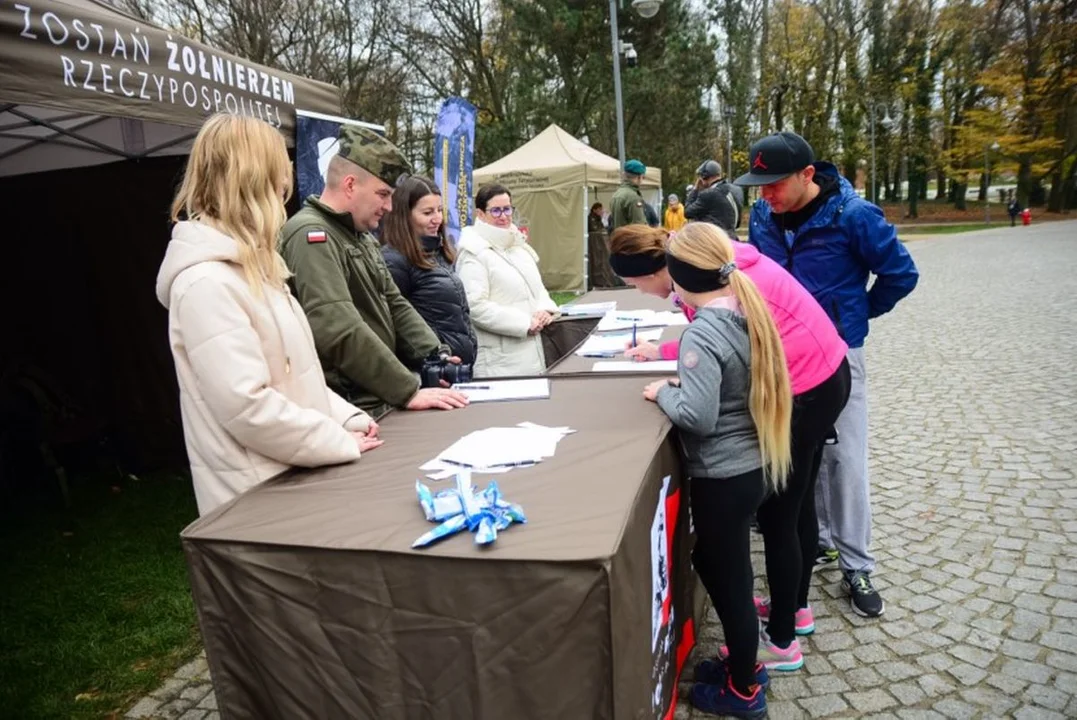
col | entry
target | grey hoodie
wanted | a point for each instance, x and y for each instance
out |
(718, 435)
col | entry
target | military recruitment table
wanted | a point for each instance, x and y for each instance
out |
(312, 603)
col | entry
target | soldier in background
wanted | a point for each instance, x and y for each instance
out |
(626, 207)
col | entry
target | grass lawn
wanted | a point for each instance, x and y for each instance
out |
(947, 229)
(563, 297)
(96, 609)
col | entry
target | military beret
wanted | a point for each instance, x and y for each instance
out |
(373, 153)
(635, 167)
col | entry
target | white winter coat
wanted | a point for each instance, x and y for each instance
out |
(504, 289)
(252, 393)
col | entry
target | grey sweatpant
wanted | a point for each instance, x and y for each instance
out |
(842, 495)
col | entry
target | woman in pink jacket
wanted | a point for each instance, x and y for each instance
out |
(252, 393)
(819, 376)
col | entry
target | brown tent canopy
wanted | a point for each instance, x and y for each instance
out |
(82, 83)
(97, 112)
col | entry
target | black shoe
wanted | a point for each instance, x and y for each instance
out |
(824, 556)
(863, 597)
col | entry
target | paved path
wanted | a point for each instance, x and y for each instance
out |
(973, 385)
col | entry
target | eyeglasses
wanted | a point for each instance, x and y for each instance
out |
(500, 211)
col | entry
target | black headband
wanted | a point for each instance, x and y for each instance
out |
(636, 264)
(695, 279)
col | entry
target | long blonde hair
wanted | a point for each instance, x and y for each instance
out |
(770, 399)
(238, 179)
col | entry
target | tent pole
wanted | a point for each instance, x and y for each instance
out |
(586, 239)
(63, 131)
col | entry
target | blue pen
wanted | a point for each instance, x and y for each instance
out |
(633, 334)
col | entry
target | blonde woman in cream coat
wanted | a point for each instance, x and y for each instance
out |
(509, 304)
(252, 393)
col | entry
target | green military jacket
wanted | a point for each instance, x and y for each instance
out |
(626, 207)
(364, 329)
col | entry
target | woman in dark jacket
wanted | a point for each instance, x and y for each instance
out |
(420, 259)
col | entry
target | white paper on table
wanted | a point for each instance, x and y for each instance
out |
(437, 470)
(498, 390)
(600, 308)
(655, 366)
(615, 344)
(622, 320)
(498, 449)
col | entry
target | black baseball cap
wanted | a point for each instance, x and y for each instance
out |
(775, 158)
(709, 169)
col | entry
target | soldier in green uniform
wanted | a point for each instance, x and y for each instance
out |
(366, 333)
(626, 207)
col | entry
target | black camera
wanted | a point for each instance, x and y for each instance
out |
(434, 370)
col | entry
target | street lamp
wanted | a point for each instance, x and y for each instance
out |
(729, 113)
(887, 122)
(645, 9)
(987, 183)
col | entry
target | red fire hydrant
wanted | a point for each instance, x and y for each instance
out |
(1026, 217)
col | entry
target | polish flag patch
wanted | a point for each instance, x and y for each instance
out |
(316, 236)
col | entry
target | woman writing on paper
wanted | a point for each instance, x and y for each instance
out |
(252, 394)
(420, 259)
(819, 380)
(509, 304)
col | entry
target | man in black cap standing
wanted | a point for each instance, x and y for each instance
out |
(811, 221)
(712, 199)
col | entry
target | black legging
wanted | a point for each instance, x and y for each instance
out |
(787, 520)
(721, 511)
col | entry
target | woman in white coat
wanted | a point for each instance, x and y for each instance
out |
(252, 393)
(509, 304)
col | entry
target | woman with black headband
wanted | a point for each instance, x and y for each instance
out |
(819, 380)
(732, 404)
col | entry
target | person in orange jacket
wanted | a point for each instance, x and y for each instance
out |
(674, 217)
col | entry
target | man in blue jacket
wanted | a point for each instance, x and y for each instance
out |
(811, 221)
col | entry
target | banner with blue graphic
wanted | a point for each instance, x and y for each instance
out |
(315, 146)
(454, 160)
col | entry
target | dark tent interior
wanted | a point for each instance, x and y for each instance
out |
(86, 375)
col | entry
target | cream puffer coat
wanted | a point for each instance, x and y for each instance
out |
(504, 289)
(252, 393)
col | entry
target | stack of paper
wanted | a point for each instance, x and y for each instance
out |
(497, 390)
(497, 449)
(625, 320)
(655, 366)
(588, 309)
(614, 345)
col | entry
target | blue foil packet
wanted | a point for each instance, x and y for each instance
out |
(450, 527)
(485, 513)
(486, 532)
(472, 508)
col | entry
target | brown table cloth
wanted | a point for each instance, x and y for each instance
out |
(312, 603)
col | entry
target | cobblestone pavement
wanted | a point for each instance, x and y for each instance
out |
(973, 391)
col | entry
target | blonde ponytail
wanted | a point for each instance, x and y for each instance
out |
(770, 399)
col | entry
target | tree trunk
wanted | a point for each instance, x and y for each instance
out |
(960, 190)
(940, 178)
(1024, 182)
(914, 197)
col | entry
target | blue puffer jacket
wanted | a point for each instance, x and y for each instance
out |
(835, 251)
